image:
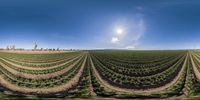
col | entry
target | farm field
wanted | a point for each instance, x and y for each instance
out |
(118, 74)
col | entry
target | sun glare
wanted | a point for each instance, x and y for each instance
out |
(119, 31)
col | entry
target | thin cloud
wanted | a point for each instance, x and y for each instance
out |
(131, 36)
(130, 47)
(114, 40)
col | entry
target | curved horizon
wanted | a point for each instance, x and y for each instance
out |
(100, 24)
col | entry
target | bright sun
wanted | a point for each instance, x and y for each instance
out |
(119, 31)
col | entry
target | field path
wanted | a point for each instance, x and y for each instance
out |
(56, 89)
(39, 68)
(35, 52)
(39, 76)
(40, 61)
(143, 92)
(196, 72)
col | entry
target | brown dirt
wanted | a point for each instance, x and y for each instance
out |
(144, 92)
(39, 76)
(39, 68)
(196, 72)
(66, 86)
(34, 52)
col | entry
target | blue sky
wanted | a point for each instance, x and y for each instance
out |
(101, 24)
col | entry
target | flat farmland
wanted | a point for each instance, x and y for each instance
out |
(100, 74)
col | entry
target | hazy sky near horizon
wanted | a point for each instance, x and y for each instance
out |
(100, 24)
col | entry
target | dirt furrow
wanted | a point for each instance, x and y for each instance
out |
(41, 76)
(195, 70)
(39, 68)
(56, 89)
(144, 92)
(49, 61)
